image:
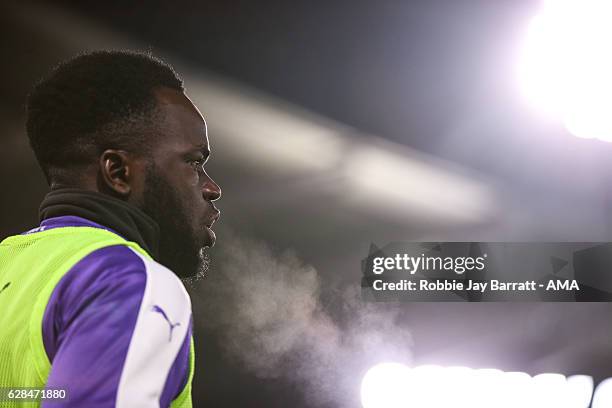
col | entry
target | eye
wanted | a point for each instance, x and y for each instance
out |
(197, 163)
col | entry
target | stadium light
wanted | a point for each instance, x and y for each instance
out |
(550, 390)
(384, 386)
(392, 385)
(580, 389)
(565, 65)
(602, 397)
(518, 390)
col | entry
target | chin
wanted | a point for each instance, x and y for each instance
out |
(199, 272)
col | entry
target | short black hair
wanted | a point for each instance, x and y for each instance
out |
(91, 102)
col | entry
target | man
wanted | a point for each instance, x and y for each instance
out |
(92, 303)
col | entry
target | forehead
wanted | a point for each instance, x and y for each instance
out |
(181, 123)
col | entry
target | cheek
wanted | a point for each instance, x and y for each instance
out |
(193, 178)
(186, 177)
(140, 178)
(190, 188)
(195, 182)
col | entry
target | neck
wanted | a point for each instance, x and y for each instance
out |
(127, 220)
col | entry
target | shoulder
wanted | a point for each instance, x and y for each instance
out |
(110, 268)
(130, 318)
(118, 283)
(162, 283)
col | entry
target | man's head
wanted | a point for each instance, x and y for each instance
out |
(120, 123)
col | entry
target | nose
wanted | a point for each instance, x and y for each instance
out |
(211, 190)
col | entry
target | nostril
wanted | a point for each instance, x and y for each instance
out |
(211, 191)
(215, 192)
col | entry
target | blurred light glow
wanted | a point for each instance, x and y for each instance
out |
(602, 397)
(580, 390)
(405, 184)
(391, 385)
(459, 386)
(489, 381)
(565, 65)
(518, 388)
(425, 384)
(549, 390)
(384, 386)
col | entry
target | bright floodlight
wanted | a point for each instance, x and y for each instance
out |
(565, 65)
(489, 382)
(517, 388)
(392, 385)
(580, 389)
(384, 386)
(602, 397)
(550, 390)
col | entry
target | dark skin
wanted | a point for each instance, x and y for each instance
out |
(170, 184)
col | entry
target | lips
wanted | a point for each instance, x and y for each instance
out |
(212, 237)
(209, 223)
(214, 218)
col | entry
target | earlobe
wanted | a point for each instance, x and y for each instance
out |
(115, 171)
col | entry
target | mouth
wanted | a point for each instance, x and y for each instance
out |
(208, 227)
(212, 237)
(214, 218)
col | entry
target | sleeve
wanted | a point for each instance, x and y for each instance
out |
(117, 332)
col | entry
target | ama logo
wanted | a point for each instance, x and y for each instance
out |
(171, 325)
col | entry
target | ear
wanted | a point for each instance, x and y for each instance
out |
(116, 168)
